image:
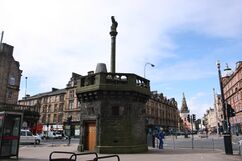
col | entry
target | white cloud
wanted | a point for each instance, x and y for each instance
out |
(54, 38)
(198, 103)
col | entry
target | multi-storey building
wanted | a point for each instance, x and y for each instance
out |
(56, 106)
(59, 104)
(10, 75)
(162, 112)
(72, 105)
(232, 85)
(51, 107)
(211, 120)
(218, 112)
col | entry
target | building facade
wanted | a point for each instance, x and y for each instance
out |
(162, 112)
(232, 85)
(218, 112)
(56, 106)
(10, 75)
(211, 121)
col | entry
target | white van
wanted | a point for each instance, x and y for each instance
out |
(52, 135)
(27, 136)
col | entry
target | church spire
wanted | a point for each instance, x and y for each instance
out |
(184, 108)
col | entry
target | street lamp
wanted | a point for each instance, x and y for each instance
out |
(226, 132)
(152, 65)
(26, 78)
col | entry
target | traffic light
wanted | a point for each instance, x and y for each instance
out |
(188, 118)
(230, 111)
(193, 117)
(69, 120)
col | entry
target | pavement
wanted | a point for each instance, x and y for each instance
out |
(31, 153)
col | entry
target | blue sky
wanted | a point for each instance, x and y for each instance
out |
(183, 38)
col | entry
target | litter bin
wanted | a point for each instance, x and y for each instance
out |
(228, 144)
(10, 124)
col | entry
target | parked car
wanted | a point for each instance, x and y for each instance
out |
(27, 136)
(52, 135)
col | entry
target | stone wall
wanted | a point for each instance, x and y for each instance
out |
(120, 122)
(10, 75)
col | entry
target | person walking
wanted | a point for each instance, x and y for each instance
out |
(161, 137)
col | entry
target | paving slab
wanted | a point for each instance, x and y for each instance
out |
(28, 153)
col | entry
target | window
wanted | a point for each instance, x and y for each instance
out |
(49, 108)
(115, 110)
(45, 99)
(22, 133)
(60, 117)
(61, 107)
(11, 80)
(61, 98)
(71, 94)
(78, 104)
(9, 94)
(44, 109)
(71, 104)
(43, 118)
(55, 118)
(48, 121)
(29, 133)
(55, 108)
(56, 98)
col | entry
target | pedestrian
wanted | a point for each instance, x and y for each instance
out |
(161, 137)
(206, 130)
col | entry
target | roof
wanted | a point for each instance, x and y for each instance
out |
(51, 93)
(184, 108)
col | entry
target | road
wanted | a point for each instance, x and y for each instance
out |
(53, 142)
(212, 142)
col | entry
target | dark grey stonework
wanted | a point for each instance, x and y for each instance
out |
(125, 130)
(119, 115)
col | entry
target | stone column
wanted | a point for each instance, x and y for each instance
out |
(113, 34)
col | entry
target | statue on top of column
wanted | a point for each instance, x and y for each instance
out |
(114, 24)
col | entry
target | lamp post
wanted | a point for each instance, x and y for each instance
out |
(26, 78)
(216, 111)
(226, 132)
(152, 65)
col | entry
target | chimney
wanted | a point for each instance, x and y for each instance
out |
(101, 68)
(54, 89)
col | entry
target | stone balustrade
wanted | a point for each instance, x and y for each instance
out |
(113, 82)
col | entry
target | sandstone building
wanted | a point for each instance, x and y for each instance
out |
(162, 112)
(10, 75)
(232, 85)
(56, 106)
